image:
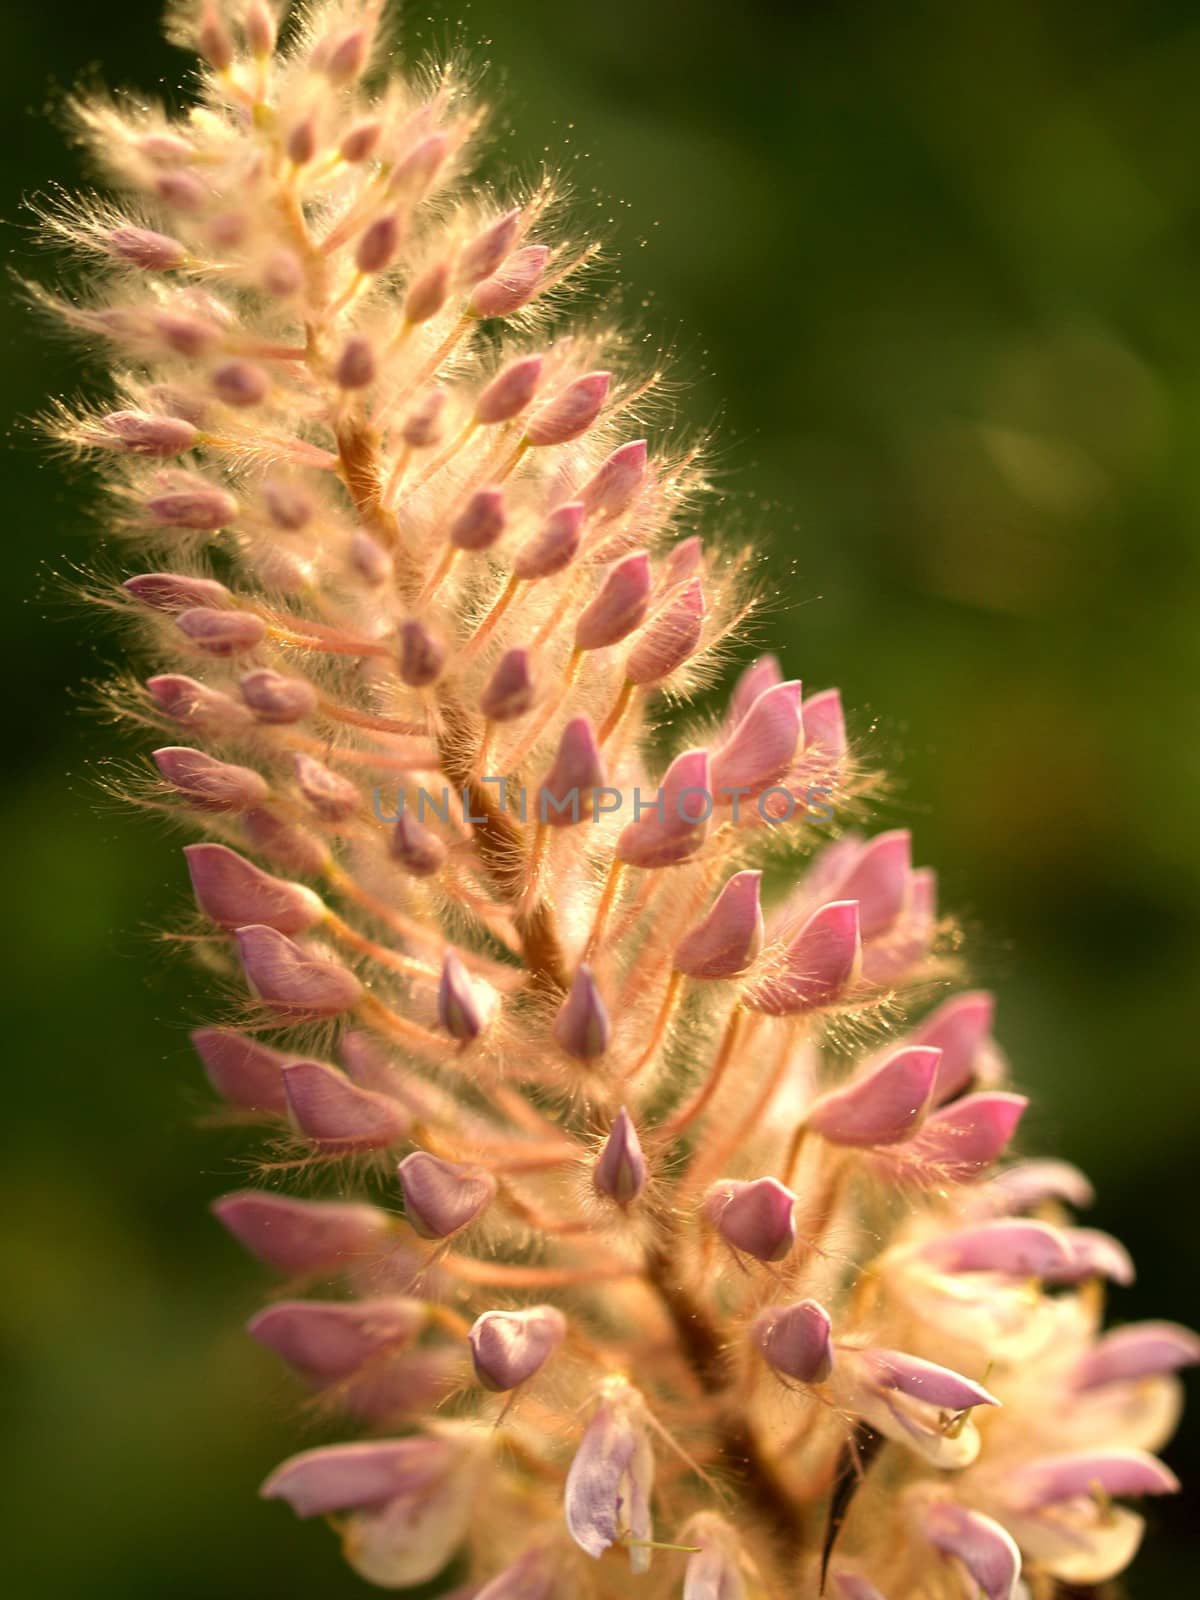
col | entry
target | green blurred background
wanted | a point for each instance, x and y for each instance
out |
(936, 270)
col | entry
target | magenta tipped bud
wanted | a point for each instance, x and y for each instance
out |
(242, 1071)
(620, 1169)
(234, 892)
(577, 769)
(879, 880)
(459, 1010)
(1140, 1350)
(421, 656)
(441, 1197)
(222, 633)
(796, 1340)
(355, 367)
(481, 521)
(753, 1217)
(361, 142)
(825, 723)
(818, 966)
(330, 1339)
(291, 980)
(304, 1235)
(670, 638)
(509, 692)
(684, 560)
(763, 745)
(617, 479)
(510, 1347)
(209, 784)
(582, 1026)
(886, 1106)
(423, 426)
(140, 434)
(202, 509)
(488, 249)
(416, 847)
(194, 705)
(241, 383)
(730, 936)
(759, 676)
(513, 286)
(166, 591)
(347, 56)
(427, 293)
(510, 391)
(377, 244)
(677, 824)
(554, 546)
(619, 606)
(275, 698)
(334, 798)
(571, 412)
(960, 1029)
(142, 247)
(337, 1115)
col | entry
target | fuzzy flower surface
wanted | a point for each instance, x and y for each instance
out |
(639, 1231)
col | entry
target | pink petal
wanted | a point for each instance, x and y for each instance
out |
(924, 1380)
(304, 1235)
(885, 1107)
(818, 966)
(983, 1546)
(762, 746)
(958, 1028)
(241, 1070)
(292, 981)
(1141, 1350)
(509, 1347)
(963, 1138)
(796, 1340)
(330, 1339)
(879, 880)
(336, 1114)
(234, 892)
(341, 1477)
(755, 1217)
(674, 825)
(727, 940)
(1018, 1249)
(1116, 1473)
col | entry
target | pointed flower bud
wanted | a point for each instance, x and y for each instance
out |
(796, 1340)
(510, 391)
(370, 560)
(553, 547)
(336, 1114)
(963, 1138)
(441, 1197)
(209, 784)
(291, 980)
(754, 1217)
(330, 1339)
(620, 1169)
(984, 1548)
(618, 607)
(459, 1010)
(284, 843)
(879, 880)
(677, 824)
(483, 255)
(611, 1480)
(582, 1026)
(424, 425)
(825, 723)
(427, 293)
(670, 638)
(510, 1347)
(288, 502)
(684, 560)
(480, 522)
(576, 770)
(139, 434)
(361, 141)
(347, 56)
(241, 383)
(415, 173)
(377, 244)
(421, 656)
(334, 798)
(512, 286)
(959, 1028)
(571, 412)
(615, 482)
(194, 705)
(233, 892)
(917, 1403)
(142, 247)
(416, 847)
(222, 633)
(277, 699)
(510, 691)
(168, 591)
(304, 1235)
(763, 745)
(1029, 1184)
(886, 1106)
(355, 367)
(759, 676)
(818, 966)
(1139, 1350)
(203, 508)
(730, 936)
(242, 1071)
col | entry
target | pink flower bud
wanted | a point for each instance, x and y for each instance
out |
(355, 367)
(209, 784)
(336, 1114)
(284, 843)
(618, 478)
(185, 336)
(213, 40)
(611, 1480)
(334, 798)
(512, 286)
(620, 1169)
(510, 1347)
(753, 1217)
(959, 1029)
(824, 723)
(377, 244)
(142, 247)
(347, 56)
(1016, 1249)
(282, 273)
(360, 142)
(441, 1197)
(140, 434)
(896, 1371)
(582, 1027)
(241, 1070)
(241, 383)
(684, 560)
(619, 606)
(763, 745)
(370, 560)
(796, 1340)
(194, 705)
(416, 171)
(509, 692)
(670, 638)
(480, 522)
(330, 1339)
(459, 1010)
(576, 770)
(487, 250)
(571, 412)
(416, 847)
(730, 936)
(817, 967)
(554, 546)
(421, 656)
(1140, 1350)
(168, 591)
(422, 427)
(510, 391)
(234, 892)
(291, 980)
(370, 1474)
(1030, 1184)
(301, 142)
(222, 633)
(879, 880)
(886, 1106)
(427, 293)
(1118, 1474)
(181, 191)
(261, 30)
(275, 698)
(758, 677)
(203, 508)
(963, 1138)
(1095, 1255)
(677, 825)
(304, 1235)
(984, 1548)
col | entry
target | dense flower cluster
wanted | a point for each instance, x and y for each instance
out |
(648, 1246)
